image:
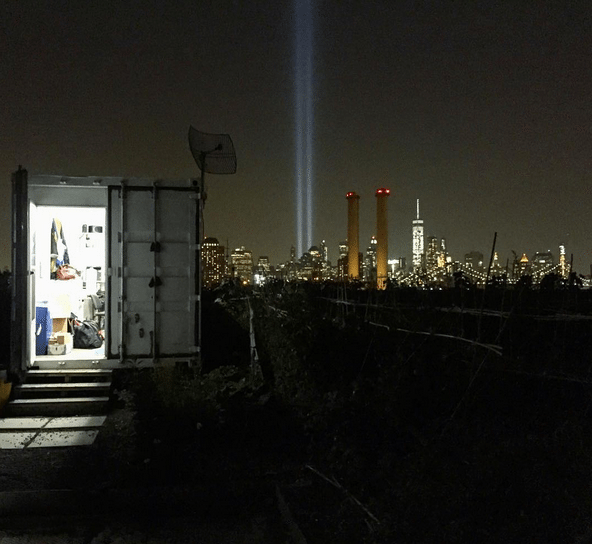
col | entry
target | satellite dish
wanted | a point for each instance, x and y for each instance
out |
(213, 153)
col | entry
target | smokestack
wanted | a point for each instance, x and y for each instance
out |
(353, 235)
(381, 237)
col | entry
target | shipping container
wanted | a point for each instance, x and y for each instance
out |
(132, 249)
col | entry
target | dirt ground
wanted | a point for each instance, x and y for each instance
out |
(350, 434)
(169, 481)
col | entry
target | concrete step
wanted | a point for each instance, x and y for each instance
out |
(70, 375)
(63, 406)
(55, 408)
(43, 390)
(48, 432)
(11, 424)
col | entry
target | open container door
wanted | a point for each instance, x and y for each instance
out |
(75, 200)
(22, 311)
(152, 266)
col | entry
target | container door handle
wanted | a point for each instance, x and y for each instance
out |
(155, 282)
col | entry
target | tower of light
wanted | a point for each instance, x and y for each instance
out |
(304, 123)
(417, 233)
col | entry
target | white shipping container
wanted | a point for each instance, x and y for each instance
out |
(132, 248)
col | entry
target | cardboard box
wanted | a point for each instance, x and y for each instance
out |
(60, 324)
(60, 305)
(60, 343)
(59, 349)
(63, 338)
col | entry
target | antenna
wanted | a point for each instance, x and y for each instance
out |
(418, 208)
(214, 154)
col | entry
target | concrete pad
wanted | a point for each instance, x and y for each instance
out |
(62, 439)
(21, 423)
(43, 538)
(60, 400)
(73, 422)
(15, 441)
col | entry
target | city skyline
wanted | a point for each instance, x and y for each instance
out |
(480, 111)
(435, 248)
(417, 237)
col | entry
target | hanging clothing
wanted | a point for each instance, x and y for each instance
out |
(58, 248)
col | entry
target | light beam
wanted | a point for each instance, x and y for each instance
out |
(304, 125)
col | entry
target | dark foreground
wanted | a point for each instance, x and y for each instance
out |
(346, 429)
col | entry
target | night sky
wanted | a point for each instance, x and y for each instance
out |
(482, 110)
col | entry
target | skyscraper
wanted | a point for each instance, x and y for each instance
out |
(417, 234)
(242, 265)
(396, 266)
(523, 267)
(432, 253)
(316, 264)
(474, 259)
(437, 260)
(342, 266)
(496, 268)
(290, 269)
(262, 270)
(563, 266)
(370, 262)
(324, 251)
(214, 262)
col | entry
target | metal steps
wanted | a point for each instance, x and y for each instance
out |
(36, 375)
(42, 390)
(66, 401)
(49, 432)
(56, 406)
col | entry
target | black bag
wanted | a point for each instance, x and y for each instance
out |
(86, 335)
